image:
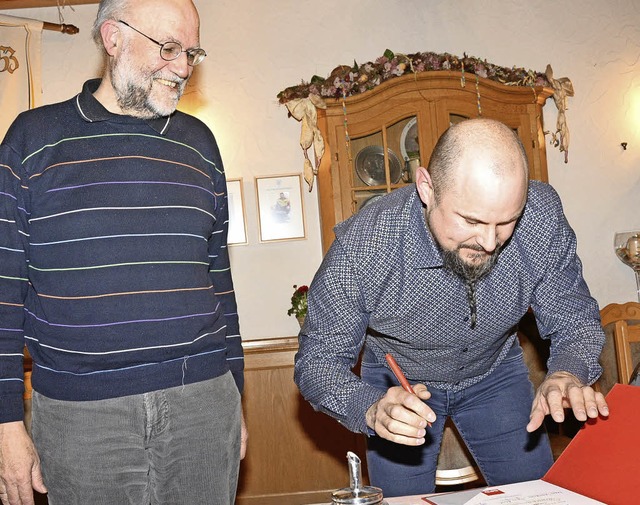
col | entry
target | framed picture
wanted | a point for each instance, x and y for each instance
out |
(235, 201)
(280, 208)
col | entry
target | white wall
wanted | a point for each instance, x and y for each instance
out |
(258, 47)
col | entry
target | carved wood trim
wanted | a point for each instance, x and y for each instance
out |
(615, 312)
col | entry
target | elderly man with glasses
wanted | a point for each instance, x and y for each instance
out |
(115, 274)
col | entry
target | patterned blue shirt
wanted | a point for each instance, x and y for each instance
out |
(383, 287)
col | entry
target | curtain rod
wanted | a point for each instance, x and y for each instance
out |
(63, 28)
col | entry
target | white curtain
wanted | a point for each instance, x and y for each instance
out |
(20, 67)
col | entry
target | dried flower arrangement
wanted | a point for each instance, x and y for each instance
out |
(347, 80)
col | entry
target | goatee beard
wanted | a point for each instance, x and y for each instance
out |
(470, 272)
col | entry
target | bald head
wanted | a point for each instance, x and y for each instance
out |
(474, 192)
(491, 141)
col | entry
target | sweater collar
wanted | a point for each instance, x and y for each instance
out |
(92, 111)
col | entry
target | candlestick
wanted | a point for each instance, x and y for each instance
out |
(627, 247)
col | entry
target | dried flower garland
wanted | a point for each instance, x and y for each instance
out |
(347, 80)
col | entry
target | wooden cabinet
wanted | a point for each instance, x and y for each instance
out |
(374, 140)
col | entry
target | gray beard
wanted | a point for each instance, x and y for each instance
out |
(135, 98)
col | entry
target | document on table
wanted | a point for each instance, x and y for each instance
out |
(453, 498)
(535, 492)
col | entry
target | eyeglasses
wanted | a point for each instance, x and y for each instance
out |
(172, 50)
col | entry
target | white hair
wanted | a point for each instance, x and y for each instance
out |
(108, 9)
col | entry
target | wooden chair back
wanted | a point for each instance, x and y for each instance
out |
(625, 321)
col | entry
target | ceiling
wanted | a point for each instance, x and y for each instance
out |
(23, 4)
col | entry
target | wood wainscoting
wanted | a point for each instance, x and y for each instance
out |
(295, 455)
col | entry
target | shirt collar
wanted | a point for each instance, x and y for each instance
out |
(91, 110)
(420, 240)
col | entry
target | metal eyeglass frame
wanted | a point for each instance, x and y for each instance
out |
(194, 56)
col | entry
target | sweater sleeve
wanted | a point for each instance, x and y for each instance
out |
(220, 272)
(13, 284)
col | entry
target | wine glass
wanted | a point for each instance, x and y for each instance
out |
(627, 246)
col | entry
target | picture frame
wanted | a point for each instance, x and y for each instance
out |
(280, 207)
(237, 223)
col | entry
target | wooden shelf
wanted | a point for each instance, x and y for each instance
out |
(27, 4)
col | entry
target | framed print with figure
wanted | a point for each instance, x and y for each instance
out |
(280, 207)
(235, 202)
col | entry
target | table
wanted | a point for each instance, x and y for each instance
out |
(400, 500)
(532, 492)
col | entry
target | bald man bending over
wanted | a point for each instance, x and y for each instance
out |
(114, 271)
(439, 274)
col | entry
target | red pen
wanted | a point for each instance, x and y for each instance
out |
(397, 371)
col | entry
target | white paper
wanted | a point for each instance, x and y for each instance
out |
(453, 498)
(535, 492)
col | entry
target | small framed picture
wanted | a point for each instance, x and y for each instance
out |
(280, 207)
(235, 202)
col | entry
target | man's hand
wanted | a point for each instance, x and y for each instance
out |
(19, 466)
(562, 390)
(400, 416)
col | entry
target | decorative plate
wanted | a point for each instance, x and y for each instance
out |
(409, 147)
(370, 166)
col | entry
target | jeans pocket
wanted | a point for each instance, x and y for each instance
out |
(515, 353)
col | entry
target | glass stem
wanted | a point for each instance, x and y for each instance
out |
(638, 283)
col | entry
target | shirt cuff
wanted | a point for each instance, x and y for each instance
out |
(356, 418)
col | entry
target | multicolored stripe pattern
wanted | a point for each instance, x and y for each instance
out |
(113, 261)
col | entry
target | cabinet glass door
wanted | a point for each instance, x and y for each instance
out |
(383, 161)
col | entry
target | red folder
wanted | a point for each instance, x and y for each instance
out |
(603, 459)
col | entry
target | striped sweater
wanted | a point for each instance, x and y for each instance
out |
(114, 268)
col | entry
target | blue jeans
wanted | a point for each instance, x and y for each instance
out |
(491, 417)
(174, 446)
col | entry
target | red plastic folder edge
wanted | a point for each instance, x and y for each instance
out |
(603, 459)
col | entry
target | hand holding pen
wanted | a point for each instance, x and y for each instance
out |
(397, 371)
(400, 417)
